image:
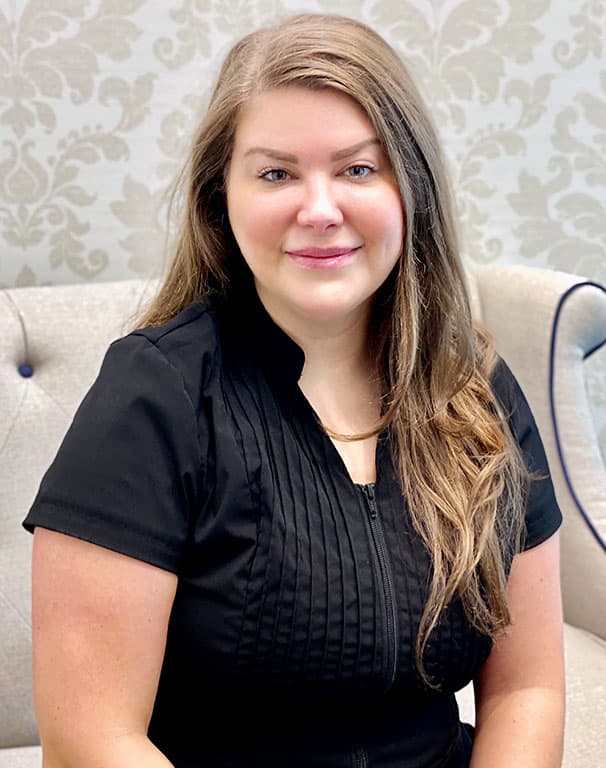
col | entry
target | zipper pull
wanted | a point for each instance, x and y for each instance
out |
(369, 490)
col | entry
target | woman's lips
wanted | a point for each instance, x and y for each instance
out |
(323, 258)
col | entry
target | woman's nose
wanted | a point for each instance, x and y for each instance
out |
(319, 207)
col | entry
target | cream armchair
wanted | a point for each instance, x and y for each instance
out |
(59, 335)
(545, 325)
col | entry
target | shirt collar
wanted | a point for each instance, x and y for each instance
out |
(280, 357)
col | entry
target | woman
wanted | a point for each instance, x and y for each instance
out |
(303, 503)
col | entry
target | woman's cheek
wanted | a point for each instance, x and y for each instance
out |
(259, 220)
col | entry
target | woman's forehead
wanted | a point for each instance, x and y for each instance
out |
(283, 119)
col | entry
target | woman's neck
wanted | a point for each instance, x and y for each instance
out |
(333, 347)
(338, 377)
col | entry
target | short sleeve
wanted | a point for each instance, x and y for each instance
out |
(543, 516)
(127, 474)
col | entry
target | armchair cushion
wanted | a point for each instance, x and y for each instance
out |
(21, 757)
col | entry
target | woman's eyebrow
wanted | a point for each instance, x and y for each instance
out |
(286, 157)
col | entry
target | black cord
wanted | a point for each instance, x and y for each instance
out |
(600, 344)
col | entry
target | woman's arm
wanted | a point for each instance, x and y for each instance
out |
(99, 632)
(520, 690)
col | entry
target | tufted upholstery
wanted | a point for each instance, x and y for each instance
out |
(67, 330)
(63, 331)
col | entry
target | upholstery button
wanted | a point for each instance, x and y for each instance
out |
(26, 370)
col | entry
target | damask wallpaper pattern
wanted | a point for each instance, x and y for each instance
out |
(98, 99)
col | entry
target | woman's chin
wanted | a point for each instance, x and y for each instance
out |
(314, 306)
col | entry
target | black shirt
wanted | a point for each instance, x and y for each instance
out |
(291, 641)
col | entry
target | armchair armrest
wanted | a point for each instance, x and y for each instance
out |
(520, 305)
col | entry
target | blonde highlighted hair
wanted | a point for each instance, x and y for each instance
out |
(460, 469)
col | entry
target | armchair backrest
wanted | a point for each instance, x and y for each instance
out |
(519, 305)
(62, 333)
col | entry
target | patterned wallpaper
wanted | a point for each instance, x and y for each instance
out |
(98, 99)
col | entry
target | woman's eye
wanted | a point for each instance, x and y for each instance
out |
(274, 174)
(359, 171)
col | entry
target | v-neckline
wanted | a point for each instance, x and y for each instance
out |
(307, 410)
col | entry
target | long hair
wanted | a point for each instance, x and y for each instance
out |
(460, 469)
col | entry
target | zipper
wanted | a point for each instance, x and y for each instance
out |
(389, 600)
(360, 758)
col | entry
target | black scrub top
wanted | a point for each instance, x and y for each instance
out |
(291, 640)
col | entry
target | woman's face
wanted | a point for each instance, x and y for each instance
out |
(313, 203)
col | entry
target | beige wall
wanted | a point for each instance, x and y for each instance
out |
(98, 97)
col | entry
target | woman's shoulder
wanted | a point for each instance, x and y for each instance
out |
(508, 391)
(195, 324)
(189, 341)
